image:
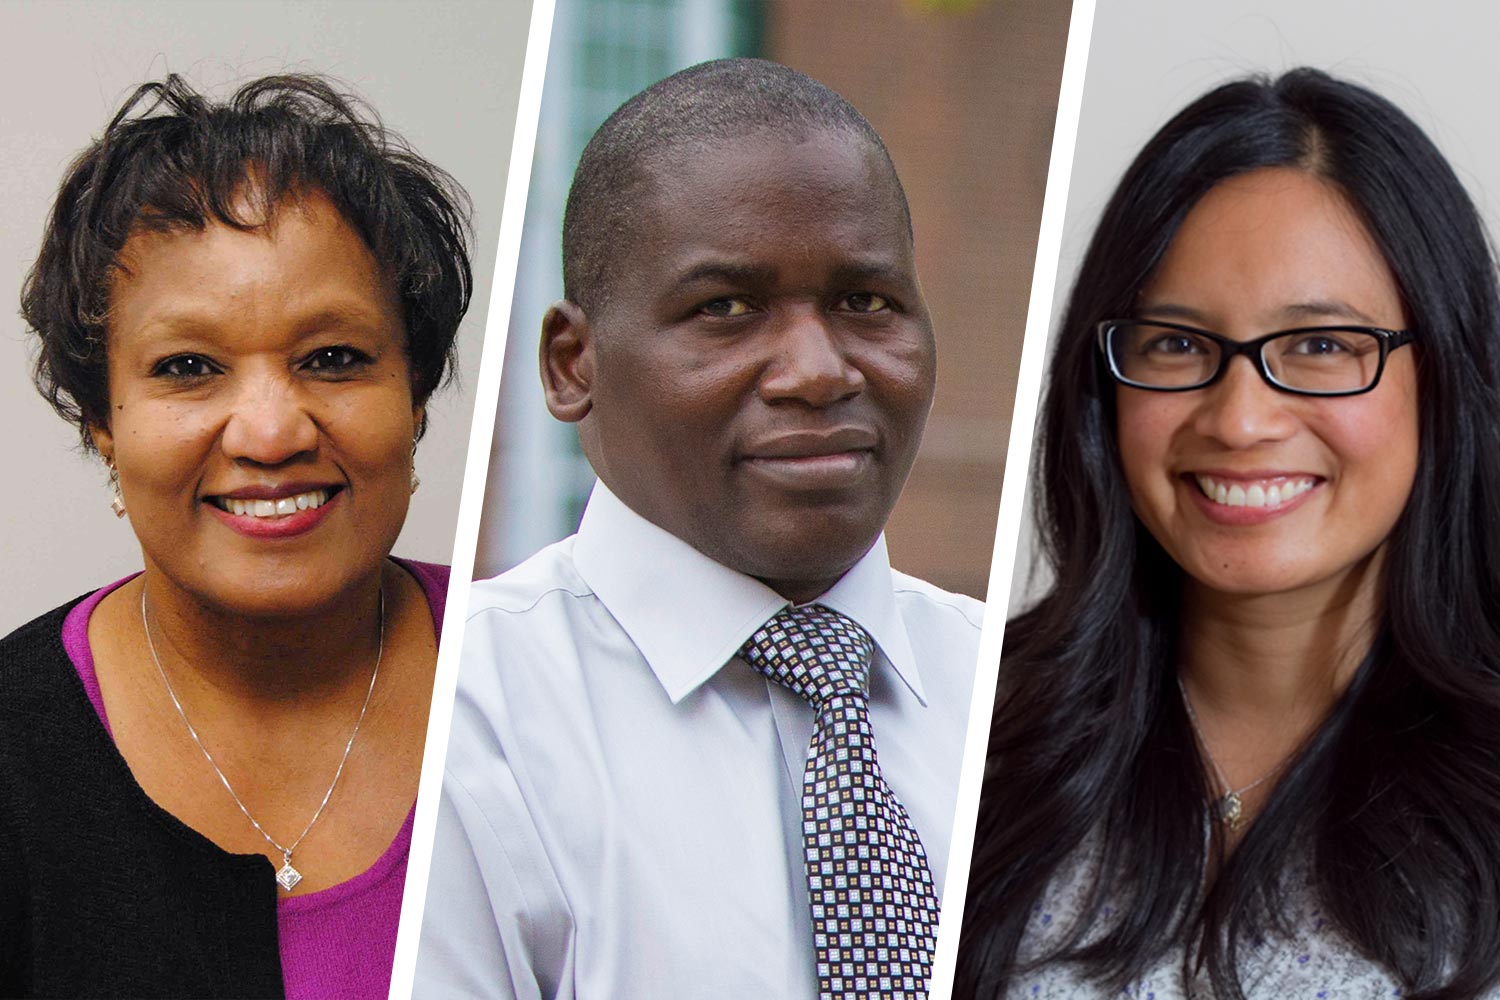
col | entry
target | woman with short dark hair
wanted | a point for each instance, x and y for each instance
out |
(1249, 742)
(209, 768)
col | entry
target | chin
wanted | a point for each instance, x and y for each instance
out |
(817, 559)
(1246, 579)
(276, 591)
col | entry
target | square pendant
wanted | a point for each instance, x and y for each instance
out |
(288, 877)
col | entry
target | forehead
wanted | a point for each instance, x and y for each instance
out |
(1274, 246)
(305, 256)
(783, 196)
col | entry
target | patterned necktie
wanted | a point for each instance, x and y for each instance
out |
(874, 907)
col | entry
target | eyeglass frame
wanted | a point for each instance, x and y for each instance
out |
(1229, 349)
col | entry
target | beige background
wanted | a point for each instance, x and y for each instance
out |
(443, 73)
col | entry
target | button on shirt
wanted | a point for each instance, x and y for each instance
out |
(621, 808)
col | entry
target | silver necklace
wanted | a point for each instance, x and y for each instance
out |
(287, 877)
(1228, 809)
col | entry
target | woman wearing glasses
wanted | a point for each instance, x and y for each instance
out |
(1249, 743)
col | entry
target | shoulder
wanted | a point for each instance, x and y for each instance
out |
(547, 579)
(958, 613)
(30, 654)
(535, 617)
(432, 576)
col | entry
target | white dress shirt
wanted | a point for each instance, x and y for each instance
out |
(621, 811)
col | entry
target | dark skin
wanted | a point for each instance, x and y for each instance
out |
(757, 380)
(270, 359)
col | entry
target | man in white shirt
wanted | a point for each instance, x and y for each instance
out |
(629, 806)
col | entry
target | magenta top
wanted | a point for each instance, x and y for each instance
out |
(339, 941)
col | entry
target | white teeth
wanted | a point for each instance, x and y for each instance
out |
(280, 507)
(1259, 494)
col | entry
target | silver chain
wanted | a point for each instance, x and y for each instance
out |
(286, 852)
(1187, 703)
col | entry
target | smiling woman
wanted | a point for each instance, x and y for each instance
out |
(1247, 744)
(251, 369)
(210, 766)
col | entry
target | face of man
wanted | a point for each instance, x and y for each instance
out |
(757, 380)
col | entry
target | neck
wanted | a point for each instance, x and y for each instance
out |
(300, 657)
(1279, 657)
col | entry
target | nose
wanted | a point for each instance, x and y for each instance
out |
(269, 422)
(1241, 410)
(809, 363)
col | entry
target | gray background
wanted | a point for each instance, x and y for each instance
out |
(1149, 58)
(443, 73)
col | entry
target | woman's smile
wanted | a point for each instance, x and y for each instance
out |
(262, 420)
(1249, 488)
(277, 515)
(1246, 499)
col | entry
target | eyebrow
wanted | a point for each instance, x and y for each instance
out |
(1318, 308)
(851, 273)
(1292, 313)
(875, 271)
(335, 316)
(727, 273)
(342, 315)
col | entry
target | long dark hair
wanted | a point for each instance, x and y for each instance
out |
(1396, 796)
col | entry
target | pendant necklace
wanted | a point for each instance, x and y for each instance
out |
(1228, 809)
(287, 876)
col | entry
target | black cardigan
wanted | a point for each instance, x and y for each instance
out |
(102, 892)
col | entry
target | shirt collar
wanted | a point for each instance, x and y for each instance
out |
(689, 615)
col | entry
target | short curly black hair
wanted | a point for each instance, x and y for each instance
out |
(171, 158)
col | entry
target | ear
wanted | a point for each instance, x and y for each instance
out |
(567, 361)
(104, 442)
(418, 422)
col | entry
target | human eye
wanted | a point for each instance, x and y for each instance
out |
(725, 307)
(335, 359)
(864, 302)
(185, 367)
(1173, 344)
(1324, 342)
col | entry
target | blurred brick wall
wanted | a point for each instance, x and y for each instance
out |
(964, 95)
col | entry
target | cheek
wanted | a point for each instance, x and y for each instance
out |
(162, 444)
(907, 373)
(1144, 427)
(659, 401)
(376, 431)
(901, 376)
(1377, 438)
(1377, 447)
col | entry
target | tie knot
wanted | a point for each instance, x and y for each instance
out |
(815, 651)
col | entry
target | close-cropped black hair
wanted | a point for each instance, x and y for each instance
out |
(170, 158)
(1394, 801)
(701, 107)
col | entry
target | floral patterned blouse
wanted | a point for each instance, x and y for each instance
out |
(1316, 962)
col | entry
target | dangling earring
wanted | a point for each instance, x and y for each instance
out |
(415, 480)
(117, 500)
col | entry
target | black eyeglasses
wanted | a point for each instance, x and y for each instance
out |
(1309, 361)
